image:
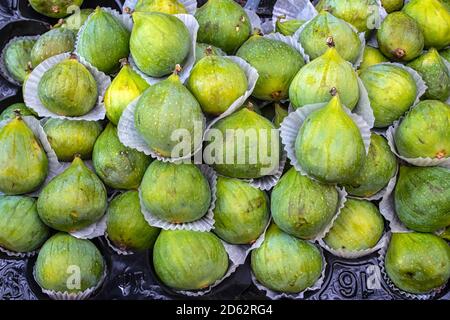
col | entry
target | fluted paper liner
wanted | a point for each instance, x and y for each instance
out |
(391, 285)
(125, 19)
(115, 249)
(448, 68)
(186, 67)
(189, 5)
(19, 254)
(3, 70)
(83, 295)
(97, 229)
(291, 125)
(255, 21)
(204, 224)
(293, 9)
(54, 166)
(31, 97)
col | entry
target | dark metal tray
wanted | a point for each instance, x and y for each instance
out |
(132, 277)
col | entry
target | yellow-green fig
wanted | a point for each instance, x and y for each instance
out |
(17, 56)
(165, 6)
(55, 8)
(75, 21)
(371, 56)
(51, 43)
(392, 5)
(204, 49)
(23, 161)
(11, 111)
(288, 27)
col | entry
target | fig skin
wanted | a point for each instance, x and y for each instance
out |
(288, 27)
(371, 56)
(392, 5)
(54, 8)
(17, 57)
(165, 6)
(52, 43)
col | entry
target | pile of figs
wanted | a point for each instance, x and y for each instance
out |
(207, 136)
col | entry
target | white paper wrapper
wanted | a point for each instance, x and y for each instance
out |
(204, 224)
(255, 21)
(32, 100)
(56, 295)
(190, 6)
(3, 71)
(292, 123)
(268, 182)
(19, 254)
(97, 229)
(363, 107)
(130, 137)
(54, 167)
(192, 25)
(382, 14)
(391, 285)
(293, 9)
(115, 249)
(448, 68)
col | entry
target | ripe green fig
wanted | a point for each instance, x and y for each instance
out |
(392, 91)
(23, 161)
(224, 24)
(55, 8)
(418, 262)
(204, 49)
(21, 230)
(63, 255)
(435, 73)
(241, 212)
(431, 117)
(126, 226)
(69, 138)
(68, 89)
(330, 151)
(314, 35)
(280, 114)
(125, 87)
(103, 41)
(119, 167)
(17, 57)
(392, 5)
(216, 82)
(371, 56)
(165, 6)
(433, 17)
(276, 62)
(421, 198)
(313, 82)
(286, 264)
(76, 20)
(158, 42)
(288, 27)
(380, 166)
(400, 37)
(52, 43)
(176, 193)
(189, 260)
(167, 107)
(445, 54)
(72, 200)
(11, 111)
(359, 226)
(301, 206)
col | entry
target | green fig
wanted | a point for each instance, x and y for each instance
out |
(119, 167)
(52, 43)
(69, 138)
(23, 161)
(276, 62)
(445, 234)
(445, 54)
(286, 264)
(216, 82)
(421, 198)
(176, 193)
(435, 73)
(313, 82)
(380, 166)
(72, 200)
(359, 13)
(314, 35)
(392, 91)
(392, 5)
(64, 256)
(11, 111)
(21, 230)
(224, 24)
(76, 20)
(158, 43)
(189, 260)
(431, 117)
(288, 27)
(359, 226)
(330, 151)
(433, 17)
(246, 146)
(126, 226)
(68, 89)
(103, 41)
(400, 37)
(371, 56)
(17, 56)
(55, 8)
(280, 114)
(125, 87)
(301, 206)
(167, 107)
(417, 262)
(242, 211)
(204, 49)
(165, 6)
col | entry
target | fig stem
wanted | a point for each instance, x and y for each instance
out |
(279, 18)
(177, 69)
(58, 24)
(330, 42)
(123, 62)
(29, 67)
(257, 32)
(333, 92)
(208, 51)
(18, 114)
(127, 10)
(250, 106)
(399, 53)
(73, 55)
